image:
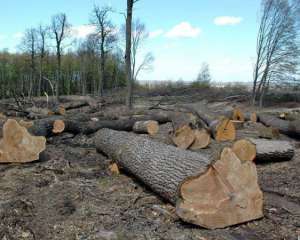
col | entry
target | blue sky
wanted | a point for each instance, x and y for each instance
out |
(183, 34)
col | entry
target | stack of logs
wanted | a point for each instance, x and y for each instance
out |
(212, 192)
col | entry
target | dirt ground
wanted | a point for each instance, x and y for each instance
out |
(71, 194)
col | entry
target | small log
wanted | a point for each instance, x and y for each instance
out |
(262, 150)
(183, 137)
(290, 128)
(223, 130)
(251, 117)
(58, 126)
(202, 139)
(208, 193)
(18, 146)
(238, 115)
(151, 127)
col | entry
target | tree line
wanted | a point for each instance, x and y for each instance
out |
(50, 62)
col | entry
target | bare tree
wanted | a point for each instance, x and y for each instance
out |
(29, 43)
(41, 44)
(139, 35)
(129, 78)
(277, 51)
(105, 35)
(60, 28)
(204, 75)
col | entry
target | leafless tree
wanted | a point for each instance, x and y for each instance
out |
(42, 35)
(29, 45)
(130, 4)
(106, 37)
(139, 35)
(277, 51)
(60, 29)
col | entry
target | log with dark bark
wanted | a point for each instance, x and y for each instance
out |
(212, 194)
(290, 128)
(262, 150)
(124, 124)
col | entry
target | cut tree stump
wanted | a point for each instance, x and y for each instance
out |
(183, 137)
(150, 127)
(290, 128)
(202, 139)
(208, 193)
(18, 146)
(262, 150)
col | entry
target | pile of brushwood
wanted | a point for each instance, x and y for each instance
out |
(191, 156)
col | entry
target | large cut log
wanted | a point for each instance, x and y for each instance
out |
(290, 128)
(262, 150)
(150, 127)
(209, 193)
(18, 146)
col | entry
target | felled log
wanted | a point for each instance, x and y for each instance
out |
(150, 127)
(221, 128)
(212, 194)
(43, 127)
(250, 116)
(18, 146)
(290, 128)
(124, 124)
(202, 139)
(262, 150)
(183, 137)
(58, 126)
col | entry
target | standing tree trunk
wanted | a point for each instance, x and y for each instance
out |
(128, 53)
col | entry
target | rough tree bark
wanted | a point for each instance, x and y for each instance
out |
(290, 128)
(262, 150)
(212, 194)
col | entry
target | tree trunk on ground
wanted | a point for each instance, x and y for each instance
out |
(290, 128)
(262, 150)
(207, 193)
(150, 127)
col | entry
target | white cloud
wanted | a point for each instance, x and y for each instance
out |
(18, 35)
(82, 31)
(183, 30)
(156, 33)
(2, 37)
(227, 20)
